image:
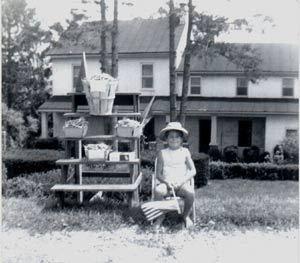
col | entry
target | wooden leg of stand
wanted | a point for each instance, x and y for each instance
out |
(64, 176)
(134, 200)
(78, 170)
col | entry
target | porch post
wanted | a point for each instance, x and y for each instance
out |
(213, 134)
(44, 125)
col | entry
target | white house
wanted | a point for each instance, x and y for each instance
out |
(223, 107)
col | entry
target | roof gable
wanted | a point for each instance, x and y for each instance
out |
(275, 58)
(135, 36)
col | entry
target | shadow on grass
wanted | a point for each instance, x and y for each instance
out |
(107, 214)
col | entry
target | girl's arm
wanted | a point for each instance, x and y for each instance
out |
(159, 169)
(191, 170)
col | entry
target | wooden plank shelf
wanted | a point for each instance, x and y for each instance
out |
(117, 114)
(117, 93)
(99, 138)
(98, 187)
(107, 174)
(87, 161)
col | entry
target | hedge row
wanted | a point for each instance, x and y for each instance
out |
(29, 185)
(25, 161)
(256, 171)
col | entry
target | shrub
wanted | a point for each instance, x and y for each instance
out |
(265, 157)
(256, 171)
(22, 187)
(21, 126)
(146, 183)
(148, 158)
(215, 154)
(201, 161)
(251, 155)
(230, 154)
(291, 149)
(46, 143)
(36, 184)
(25, 161)
(4, 179)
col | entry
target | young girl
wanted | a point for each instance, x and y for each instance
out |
(175, 168)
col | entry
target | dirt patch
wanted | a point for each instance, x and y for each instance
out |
(128, 244)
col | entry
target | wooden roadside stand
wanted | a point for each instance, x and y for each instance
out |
(134, 166)
(77, 161)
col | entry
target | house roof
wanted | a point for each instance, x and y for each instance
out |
(135, 36)
(196, 106)
(275, 58)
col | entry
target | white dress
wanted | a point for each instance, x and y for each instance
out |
(174, 164)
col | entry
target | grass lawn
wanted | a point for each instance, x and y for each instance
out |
(222, 205)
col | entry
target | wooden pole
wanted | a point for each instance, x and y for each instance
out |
(172, 57)
(103, 59)
(186, 68)
(114, 42)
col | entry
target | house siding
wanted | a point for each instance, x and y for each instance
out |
(225, 86)
(130, 75)
(276, 128)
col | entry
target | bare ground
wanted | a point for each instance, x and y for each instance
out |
(129, 244)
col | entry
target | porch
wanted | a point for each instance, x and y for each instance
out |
(218, 122)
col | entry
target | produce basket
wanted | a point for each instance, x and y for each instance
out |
(129, 128)
(100, 92)
(75, 128)
(96, 151)
(100, 104)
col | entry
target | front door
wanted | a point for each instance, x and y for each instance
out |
(204, 135)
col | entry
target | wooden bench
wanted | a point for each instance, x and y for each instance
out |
(98, 187)
(80, 188)
(86, 161)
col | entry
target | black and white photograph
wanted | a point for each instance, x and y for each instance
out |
(150, 131)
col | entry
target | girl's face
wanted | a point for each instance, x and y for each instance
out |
(174, 139)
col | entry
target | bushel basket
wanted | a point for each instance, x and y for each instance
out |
(73, 132)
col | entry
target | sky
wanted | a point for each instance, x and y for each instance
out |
(285, 15)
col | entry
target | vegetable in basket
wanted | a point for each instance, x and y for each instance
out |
(128, 123)
(77, 123)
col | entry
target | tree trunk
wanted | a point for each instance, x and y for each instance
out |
(103, 52)
(114, 42)
(172, 56)
(9, 86)
(186, 69)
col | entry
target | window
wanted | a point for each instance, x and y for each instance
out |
(245, 133)
(147, 76)
(291, 132)
(77, 87)
(242, 87)
(288, 87)
(195, 85)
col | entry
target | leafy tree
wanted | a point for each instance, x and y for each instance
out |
(203, 31)
(24, 69)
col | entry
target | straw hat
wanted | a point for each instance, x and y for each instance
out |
(173, 126)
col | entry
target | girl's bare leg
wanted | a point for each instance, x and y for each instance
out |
(188, 195)
(161, 191)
